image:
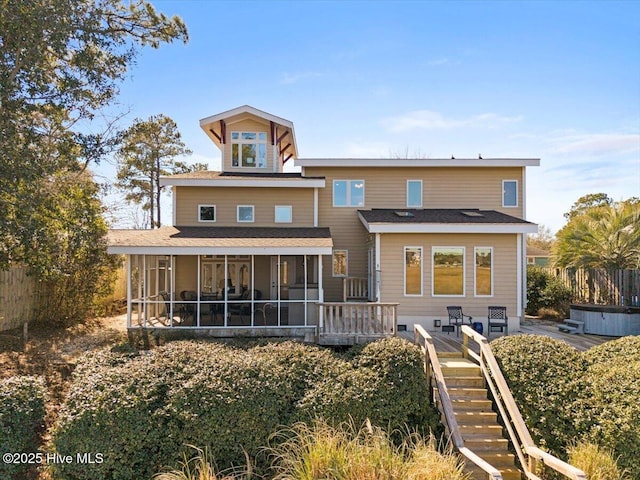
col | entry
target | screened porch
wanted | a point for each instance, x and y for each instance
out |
(223, 291)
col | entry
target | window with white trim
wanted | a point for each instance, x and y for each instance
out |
(448, 271)
(412, 271)
(249, 149)
(283, 214)
(340, 263)
(414, 193)
(509, 193)
(206, 213)
(348, 193)
(245, 213)
(483, 271)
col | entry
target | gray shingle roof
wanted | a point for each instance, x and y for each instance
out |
(438, 215)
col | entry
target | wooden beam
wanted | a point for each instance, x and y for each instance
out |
(288, 158)
(223, 132)
(274, 130)
(282, 150)
(286, 132)
(215, 135)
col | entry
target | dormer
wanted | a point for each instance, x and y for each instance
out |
(251, 141)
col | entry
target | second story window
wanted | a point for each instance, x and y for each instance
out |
(348, 193)
(509, 193)
(245, 213)
(206, 213)
(283, 214)
(249, 149)
(414, 193)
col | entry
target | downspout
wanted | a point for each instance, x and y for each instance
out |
(377, 264)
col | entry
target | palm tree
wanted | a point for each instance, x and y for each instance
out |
(601, 237)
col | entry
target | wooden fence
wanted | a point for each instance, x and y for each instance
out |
(601, 286)
(19, 295)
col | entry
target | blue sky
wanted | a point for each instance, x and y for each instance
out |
(559, 81)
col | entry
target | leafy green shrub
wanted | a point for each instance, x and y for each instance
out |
(141, 409)
(544, 291)
(597, 462)
(546, 377)
(22, 412)
(385, 383)
(621, 350)
(536, 282)
(614, 399)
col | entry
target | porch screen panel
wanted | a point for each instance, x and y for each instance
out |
(448, 271)
(413, 270)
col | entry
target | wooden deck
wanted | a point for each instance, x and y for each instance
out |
(449, 342)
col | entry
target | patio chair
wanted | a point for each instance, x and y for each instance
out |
(498, 319)
(167, 305)
(457, 318)
(188, 310)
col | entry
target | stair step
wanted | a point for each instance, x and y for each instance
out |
(466, 403)
(472, 382)
(449, 355)
(459, 367)
(479, 474)
(476, 417)
(498, 459)
(479, 443)
(463, 392)
(473, 429)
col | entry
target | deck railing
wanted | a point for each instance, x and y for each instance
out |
(527, 451)
(434, 374)
(358, 318)
(355, 288)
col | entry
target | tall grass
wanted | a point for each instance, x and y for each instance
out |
(597, 462)
(324, 452)
(202, 467)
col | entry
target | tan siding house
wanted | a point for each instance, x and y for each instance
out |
(345, 251)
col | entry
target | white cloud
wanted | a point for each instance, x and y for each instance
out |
(597, 144)
(291, 78)
(430, 120)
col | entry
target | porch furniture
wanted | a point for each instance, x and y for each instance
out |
(498, 320)
(167, 314)
(457, 317)
(265, 310)
(244, 309)
(188, 310)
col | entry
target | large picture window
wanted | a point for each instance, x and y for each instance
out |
(448, 271)
(249, 149)
(348, 193)
(340, 260)
(484, 271)
(413, 271)
(509, 193)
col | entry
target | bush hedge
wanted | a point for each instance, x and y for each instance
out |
(544, 291)
(546, 377)
(565, 395)
(22, 416)
(141, 409)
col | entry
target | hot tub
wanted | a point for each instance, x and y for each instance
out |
(608, 320)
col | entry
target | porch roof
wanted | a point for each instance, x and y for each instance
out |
(442, 220)
(221, 241)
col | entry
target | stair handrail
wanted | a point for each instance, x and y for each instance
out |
(510, 413)
(432, 367)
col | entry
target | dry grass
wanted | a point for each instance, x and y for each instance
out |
(202, 467)
(597, 462)
(324, 452)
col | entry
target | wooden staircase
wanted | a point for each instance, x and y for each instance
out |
(477, 421)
